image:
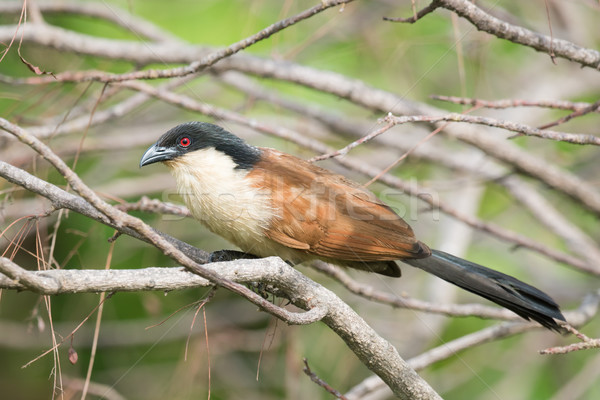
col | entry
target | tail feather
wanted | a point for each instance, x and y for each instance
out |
(502, 289)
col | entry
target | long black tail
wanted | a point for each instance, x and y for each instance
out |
(502, 289)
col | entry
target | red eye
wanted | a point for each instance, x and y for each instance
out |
(185, 141)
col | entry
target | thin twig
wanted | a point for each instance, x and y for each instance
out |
(146, 204)
(354, 144)
(512, 103)
(313, 377)
(416, 15)
(196, 66)
(595, 107)
(585, 344)
(521, 129)
(519, 35)
(88, 375)
(58, 344)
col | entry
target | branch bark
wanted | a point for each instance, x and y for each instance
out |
(485, 22)
(373, 384)
(374, 351)
(519, 35)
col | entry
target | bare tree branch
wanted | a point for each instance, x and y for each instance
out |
(516, 34)
(373, 350)
(353, 90)
(586, 343)
(60, 281)
(205, 62)
(120, 219)
(228, 65)
(586, 311)
(521, 129)
(378, 355)
(417, 16)
(368, 292)
(519, 35)
(106, 12)
(511, 103)
(315, 378)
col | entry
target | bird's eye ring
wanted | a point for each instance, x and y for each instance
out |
(185, 141)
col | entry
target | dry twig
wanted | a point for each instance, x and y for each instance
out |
(313, 377)
(516, 34)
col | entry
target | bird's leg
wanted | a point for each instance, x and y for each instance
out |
(229, 255)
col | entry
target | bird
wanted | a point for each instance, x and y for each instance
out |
(270, 203)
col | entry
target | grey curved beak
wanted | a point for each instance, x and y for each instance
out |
(157, 153)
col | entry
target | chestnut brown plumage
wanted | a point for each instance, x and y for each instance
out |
(270, 203)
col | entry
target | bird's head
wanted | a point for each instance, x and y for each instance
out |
(194, 136)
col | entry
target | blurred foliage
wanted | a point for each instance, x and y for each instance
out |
(414, 61)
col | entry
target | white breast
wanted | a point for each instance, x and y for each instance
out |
(218, 195)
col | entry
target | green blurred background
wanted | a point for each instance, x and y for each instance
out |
(249, 354)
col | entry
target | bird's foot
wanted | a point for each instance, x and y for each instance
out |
(267, 291)
(262, 289)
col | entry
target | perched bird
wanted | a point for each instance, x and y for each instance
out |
(270, 203)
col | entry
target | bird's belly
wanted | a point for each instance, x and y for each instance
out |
(250, 238)
(241, 219)
(230, 206)
(228, 218)
(244, 227)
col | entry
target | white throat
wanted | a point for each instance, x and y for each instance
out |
(218, 196)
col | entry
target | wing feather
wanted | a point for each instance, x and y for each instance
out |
(326, 215)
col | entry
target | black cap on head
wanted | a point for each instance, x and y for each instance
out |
(192, 136)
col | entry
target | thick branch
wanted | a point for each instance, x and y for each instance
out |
(519, 35)
(61, 281)
(586, 311)
(62, 199)
(375, 352)
(121, 219)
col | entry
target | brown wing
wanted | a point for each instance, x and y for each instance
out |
(327, 215)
